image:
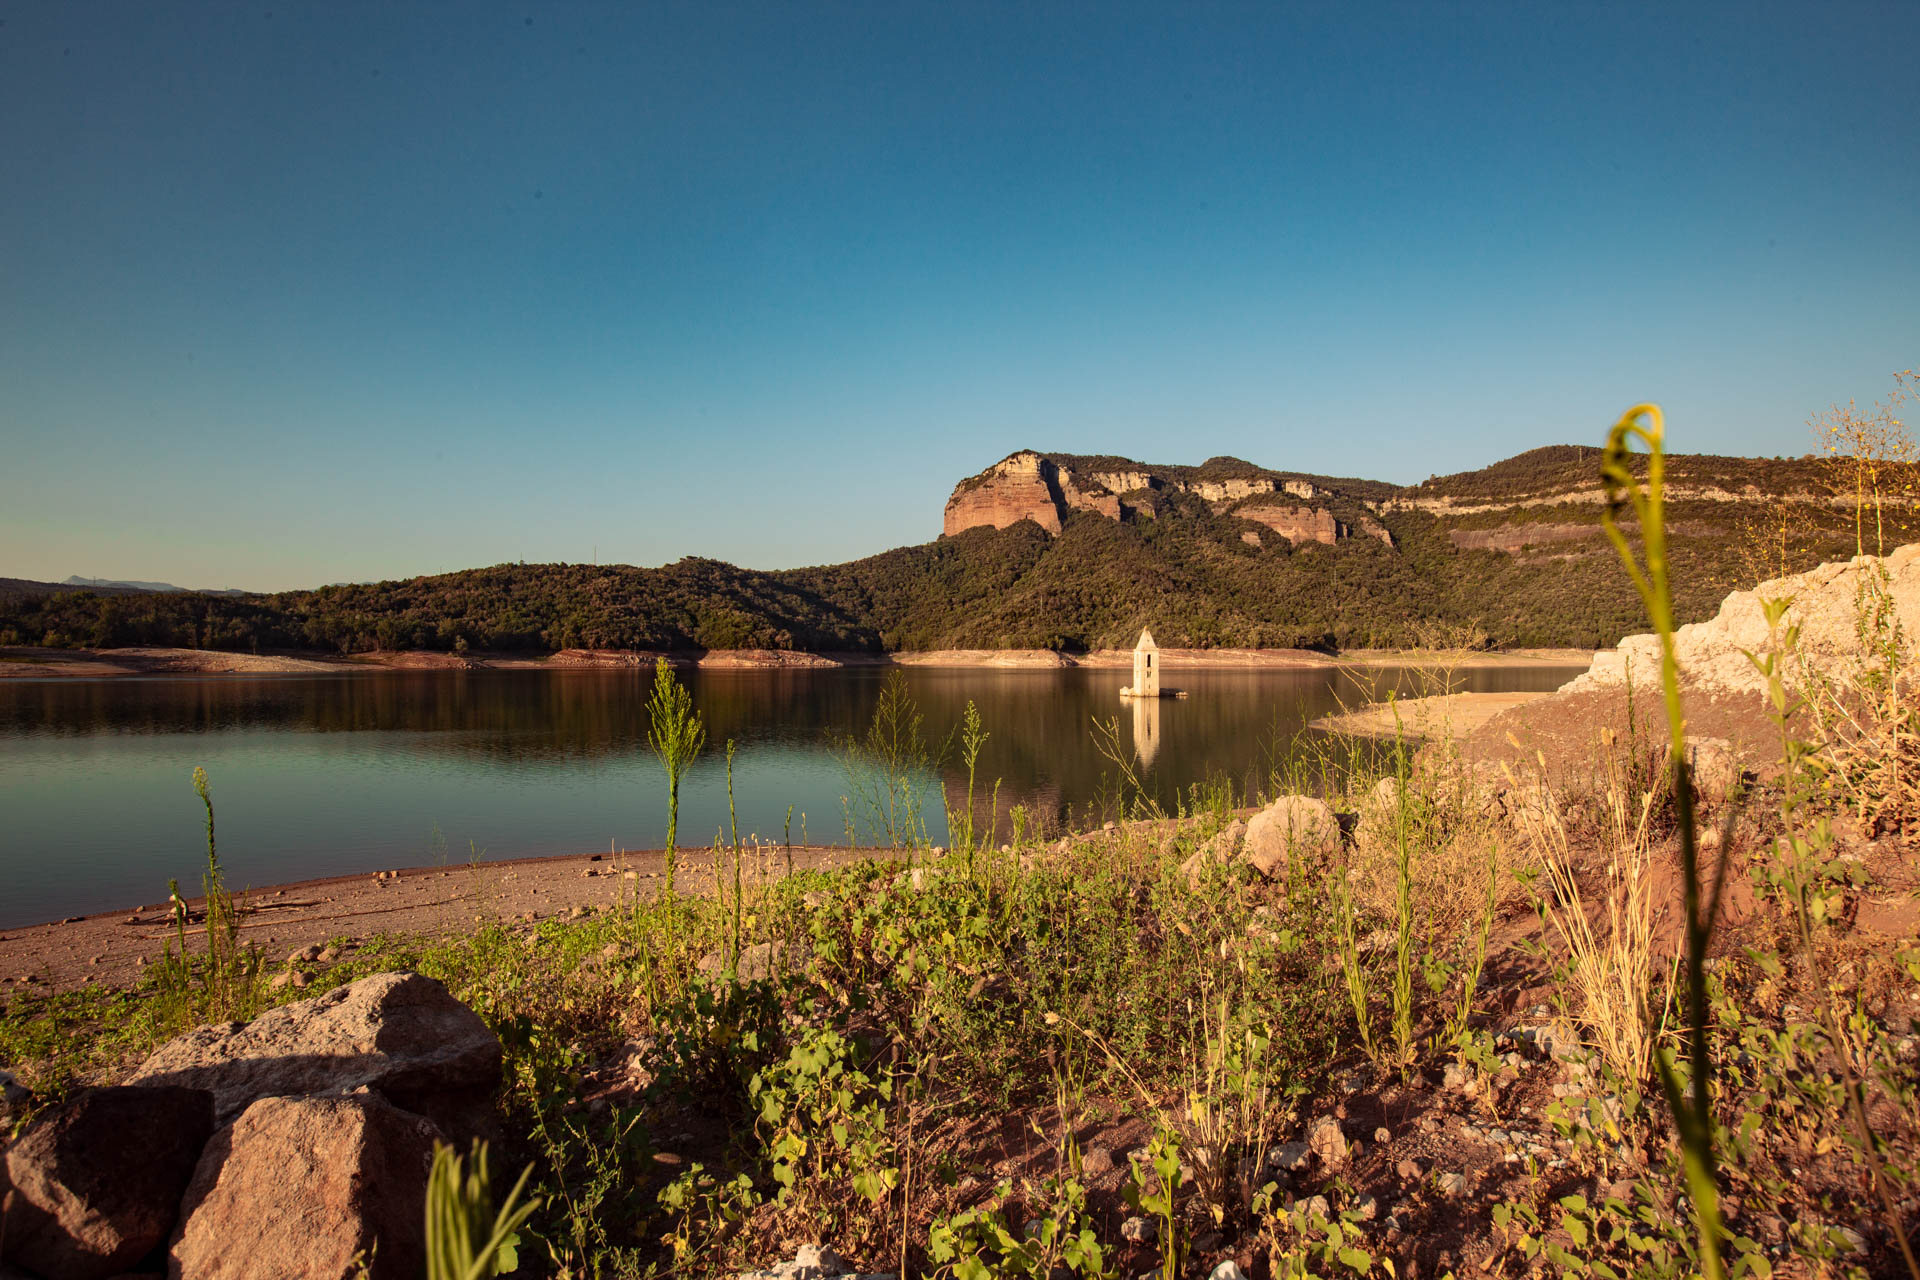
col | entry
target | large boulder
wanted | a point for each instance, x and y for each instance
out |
(1291, 828)
(97, 1180)
(1826, 606)
(400, 1034)
(308, 1189)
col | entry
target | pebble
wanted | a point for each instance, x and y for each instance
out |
(1318, 1206)
(1228, 1270)
(1382, 1136)
(1289, 1157)
(1367, 1207)
(1139, 1231)
(1327, 1142)
(1452, 1184)
(1411, 1169)
(1097, 1161)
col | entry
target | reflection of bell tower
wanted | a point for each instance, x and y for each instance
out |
(1146, 729)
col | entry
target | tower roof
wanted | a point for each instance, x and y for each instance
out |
(1146, 640)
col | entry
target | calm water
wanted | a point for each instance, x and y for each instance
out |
(324, 776)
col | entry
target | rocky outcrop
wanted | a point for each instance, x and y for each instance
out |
(1019, 488)
(1297, 524)
(1518, 537)
(309, 1188)
(1045, 489)
(400, 1034)
(1827, 604)
(96, 1181)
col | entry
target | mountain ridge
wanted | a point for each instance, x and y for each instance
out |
(1074, 552)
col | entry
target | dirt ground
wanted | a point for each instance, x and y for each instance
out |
(112, 947)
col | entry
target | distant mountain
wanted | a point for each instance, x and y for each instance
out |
(1070, 551)
(96, 584)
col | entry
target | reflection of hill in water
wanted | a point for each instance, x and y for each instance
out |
(1234, 723)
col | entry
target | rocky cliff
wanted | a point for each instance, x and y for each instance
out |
(1044, 488)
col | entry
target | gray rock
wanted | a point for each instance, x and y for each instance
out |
(1451, 1183)
(813, 1262)
(1317, 1206)
(1139, 1230)
(1228, 1270)
(312, 1184)
(400, 1034)
(1289, 1157)
(1367, 1207)
(97, 1180)
(15, 1098)
(1291, 828)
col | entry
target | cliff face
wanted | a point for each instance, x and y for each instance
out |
(1043, 488)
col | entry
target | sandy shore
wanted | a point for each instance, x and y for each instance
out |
(1452, 714)
(112, 947)
(95, 664)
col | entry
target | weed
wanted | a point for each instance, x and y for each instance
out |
(466, 1239)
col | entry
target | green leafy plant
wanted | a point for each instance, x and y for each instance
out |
(467, 1239)
(1059, 1239)
(1154, 1189)
(676, 734)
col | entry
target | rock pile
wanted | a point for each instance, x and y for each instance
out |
(304, 1137)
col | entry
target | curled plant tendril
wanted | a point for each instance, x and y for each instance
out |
(1691, 1106)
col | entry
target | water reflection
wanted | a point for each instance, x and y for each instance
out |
(1146, 729)
(317, 776)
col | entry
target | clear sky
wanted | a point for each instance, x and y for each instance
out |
(296, 293)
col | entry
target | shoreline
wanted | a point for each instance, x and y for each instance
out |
(114, 947)
(31, 663)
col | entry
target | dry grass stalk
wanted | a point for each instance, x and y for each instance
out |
(1613, 970)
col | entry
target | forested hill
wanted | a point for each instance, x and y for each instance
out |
(1514, 549)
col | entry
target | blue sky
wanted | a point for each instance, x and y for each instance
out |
(304, 293)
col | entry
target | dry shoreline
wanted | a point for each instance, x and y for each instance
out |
(112, 947)
(97, 664)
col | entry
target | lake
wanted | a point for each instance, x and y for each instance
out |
(357, 773)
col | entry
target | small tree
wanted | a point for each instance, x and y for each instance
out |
(1871, 453)
(676, 735)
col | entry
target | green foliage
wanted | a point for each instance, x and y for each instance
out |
(675, 734)
(1154, 1190)
(981, 1244)
(466, 1239)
